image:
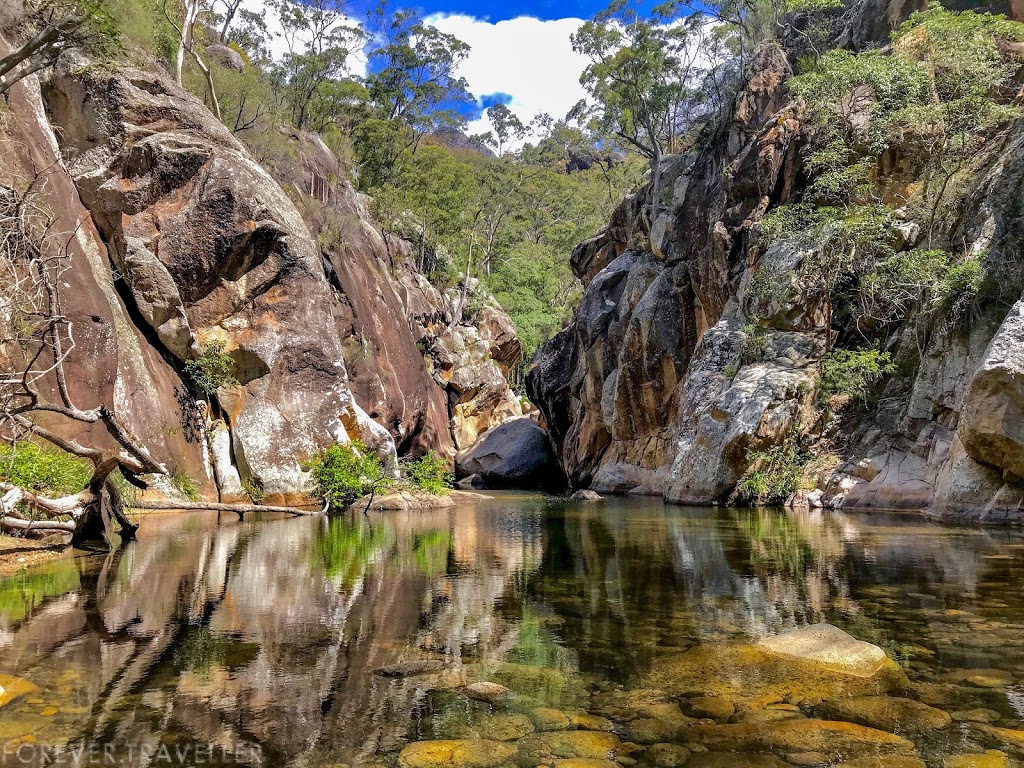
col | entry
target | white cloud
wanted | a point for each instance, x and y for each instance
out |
(529, 59)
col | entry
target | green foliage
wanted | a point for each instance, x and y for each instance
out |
(430, 473)
(143, 25)
(254, 489)
(45, 470)
(185, 484)
(773, 475)
(213, 369)
(854, 373)
(343, 473)
(957, 291)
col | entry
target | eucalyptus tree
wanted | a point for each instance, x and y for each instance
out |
(644, 74)
(51, 27)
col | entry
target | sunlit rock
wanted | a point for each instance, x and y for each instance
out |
(461, 753)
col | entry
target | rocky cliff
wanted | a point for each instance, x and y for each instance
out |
(651, 390)
(178, 239)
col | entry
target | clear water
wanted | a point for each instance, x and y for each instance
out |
(222, 643)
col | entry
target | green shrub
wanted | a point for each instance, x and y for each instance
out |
(254, 488)
(45, 470)
(213, 369)
(430, 473)
(773, 475)
(343, 473)
(854, 372)
(183, 481)
(956, 294)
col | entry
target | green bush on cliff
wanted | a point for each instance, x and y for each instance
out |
(213, 369)
(773, 475)
(343, 473)
(49, 471)
(854, 372)
(430, 474)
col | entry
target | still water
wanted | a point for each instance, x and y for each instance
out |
(622, 630)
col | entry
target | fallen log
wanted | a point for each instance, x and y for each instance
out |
(238, 509)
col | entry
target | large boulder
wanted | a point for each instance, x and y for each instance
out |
(516, 454)
(992, 418)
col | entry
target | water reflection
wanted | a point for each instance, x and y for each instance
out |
(260, 640)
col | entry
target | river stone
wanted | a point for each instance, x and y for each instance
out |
(583, 762)
(979, 715)
(12, 688)
(586, 495)
(990, 678)
(733, 671)
(830, 647)
(667, 755)
(732, 760)
(807, 759)
(404, 501)
(765, 716)
(714, 707)
(491, 693)
(410, 668)
(456, 753)
(505, 727)
(586, 722)
(1005, 738)
(647, 730)
(883, 762)
(549, 719)
(888, 713)
(541, 683)
(991, 759)
(591, 745)
(835, 739)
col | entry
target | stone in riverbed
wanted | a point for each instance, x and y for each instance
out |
(12, 688)
(835, 739)
(489, 693)
(410, 668)
(830, 647)
(884, 762)
(807, 759)
(586, 495)
(667, 755)
(1004, 738)
(549, 719)
(472, 483)
(888, 713)
(584, 762)
(714, 707)
(516, 454)
(505, 727)
(822, 671)
(404, 501)
(991, 759)
(591, 745)
(456, 753)
(979, 715)
(733, 760)
(585, 722)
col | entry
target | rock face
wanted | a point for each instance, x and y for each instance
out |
(675, 369)
(646, 391)
(184, 240)
(516, 454)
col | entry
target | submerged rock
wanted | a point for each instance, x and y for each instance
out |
(835, 739)
(592, 745)
(491, 693)
(12, 688)
(820, 671)
(505, 727)
(586, 495)
(549, 719)
(456, 753)
(733, 760)
(667, 755)
(714, 707)
(891, 714)
(410, 668)
(829, 647)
